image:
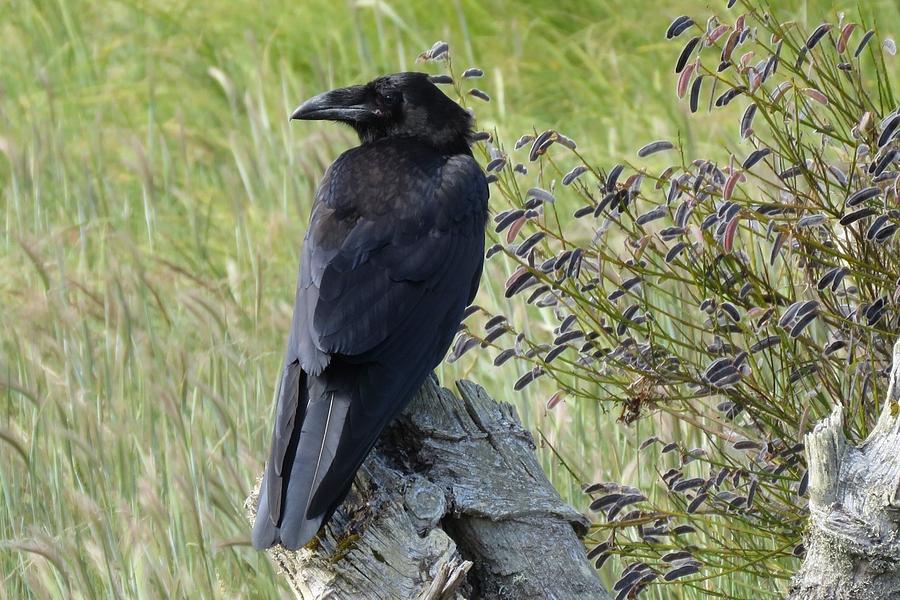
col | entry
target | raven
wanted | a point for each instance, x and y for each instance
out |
(391, 258)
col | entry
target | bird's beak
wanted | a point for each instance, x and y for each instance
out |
(347, 104)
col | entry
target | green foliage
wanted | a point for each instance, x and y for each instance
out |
(153, 199)
(741, 296)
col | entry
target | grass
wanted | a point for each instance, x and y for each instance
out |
(153, 199)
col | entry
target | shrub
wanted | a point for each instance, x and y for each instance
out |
(744, 298)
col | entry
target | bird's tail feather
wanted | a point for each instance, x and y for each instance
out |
(310, 451)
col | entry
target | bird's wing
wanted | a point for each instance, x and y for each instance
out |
(374, 250)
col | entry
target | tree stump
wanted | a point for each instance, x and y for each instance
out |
(451, 504)
(854, 524)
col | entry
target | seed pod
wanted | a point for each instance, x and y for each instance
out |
(472, 73)
(798, 328)
(523, 140)
(654, 147)
(890, 127)
(686, 54)
(856, 215)
(755, 157)
(811, 220)
(747, 121)
(480, 94)
(678, 26)
(574, 174)
(846, 32)
(863, 42)
(765, 343)
(695, 93)
(674, 251)
(817, 35)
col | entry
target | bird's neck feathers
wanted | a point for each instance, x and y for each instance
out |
(449, 133)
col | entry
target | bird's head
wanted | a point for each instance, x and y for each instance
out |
(399, 105)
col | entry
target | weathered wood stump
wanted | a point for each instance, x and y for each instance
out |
(854, 525)
(451, 504)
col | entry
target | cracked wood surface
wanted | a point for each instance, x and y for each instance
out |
(854, 524)
(451, 504)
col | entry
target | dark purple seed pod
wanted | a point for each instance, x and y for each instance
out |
(791, 172)
(493, 250)
(730, 95)
(789, 314)
(598, 549)
(654, 147)
(856, 215)
(504, 356)
(885, 234)
(523, 140)
(670, 233)
(863, 43)
(540, 144)
(574, 174)
(810, 220)
(604, 501)
(472, 73)
(695, 93)
(682, 571)
(747, 445)
(555, 352)
(652, 215)
(529, 243)
(493, 335)
(613, 177)
(876, 225)
(509, 218)
(441, 79)
(496, 165)
(494, 321)
(798, 328)
(878, 167)
(755, 157)
(583, 211)
(678, 26)
(648, 442)
(685, 55)
(696, 502)
(747, 120)
(674, 251)
(826, 279)
(889, 128)
(804, 483)
(817, 35)
(833, 347)
(765, 343)
(731, 311)
(480, 94)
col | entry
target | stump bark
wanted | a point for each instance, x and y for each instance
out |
(854, 526)
(451, 504)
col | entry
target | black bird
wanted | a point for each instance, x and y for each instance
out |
(392, 257)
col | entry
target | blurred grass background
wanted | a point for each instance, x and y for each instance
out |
(153, 198)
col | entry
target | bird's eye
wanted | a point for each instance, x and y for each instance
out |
(391, 98)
